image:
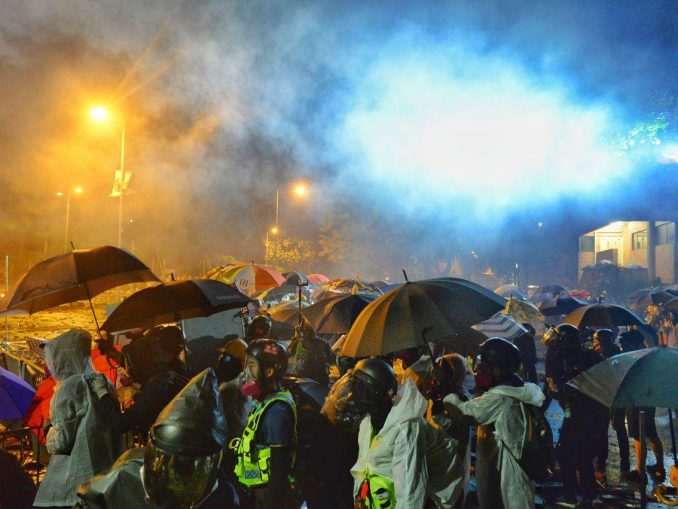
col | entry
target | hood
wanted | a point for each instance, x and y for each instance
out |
(529, 393)
(193, 422)
(409, 405)
(69, 354)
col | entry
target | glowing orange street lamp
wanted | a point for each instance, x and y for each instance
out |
(299, 190)
(76, 190)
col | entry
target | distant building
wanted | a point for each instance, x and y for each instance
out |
(647, 244)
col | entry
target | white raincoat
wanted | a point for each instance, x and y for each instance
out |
(419, 459)
(499, 410)
(81, 443)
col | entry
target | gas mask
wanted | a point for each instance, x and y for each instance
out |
(250, 380)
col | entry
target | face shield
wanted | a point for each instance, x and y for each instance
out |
(179, 480)
(345, 405)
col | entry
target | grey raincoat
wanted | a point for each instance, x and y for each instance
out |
(79, 439)
(501, 481)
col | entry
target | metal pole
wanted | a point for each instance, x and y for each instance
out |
(277, 229)
(68, 214)
(642, 460)
(122, 183)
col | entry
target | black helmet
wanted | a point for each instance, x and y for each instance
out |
(565, 335)
(500, 354)
(378, 375)
(259, 327)
(231, 360)
(269, 354)
(604, 336)
(184, 449)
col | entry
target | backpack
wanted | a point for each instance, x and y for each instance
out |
(537, 457)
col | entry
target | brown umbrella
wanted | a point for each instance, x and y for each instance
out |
(78, 275)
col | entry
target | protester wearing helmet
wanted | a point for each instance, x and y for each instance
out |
(581, 430)
(180, 467)
(228, 369)
(402, 460)
(266, 450)
(501, 480)
(310, 355)
(258, 328)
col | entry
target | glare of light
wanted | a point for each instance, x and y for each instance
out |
(78, 190)
(274, 230)
(98, 113)
(540, 224)
(477, 129)
(669, 154)
(59, 193)
(300, 190)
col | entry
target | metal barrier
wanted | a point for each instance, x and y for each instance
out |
(24, 444)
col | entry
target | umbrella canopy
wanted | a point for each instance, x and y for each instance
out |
(671, 305)
(561, 305)
(277, 295)
(466, 343)
(348, 284)
(418, 312)
(15, 395)
(522, 310)
(335, 315)
(501, 326)
(251, 278)
(294, 278)
(318, 279)
(633, 379)
(603, 315)
(641, 299)
(78, 275)
(286, 312)
(510, 291)
(386, 287)
(552, 289)
(174, 301)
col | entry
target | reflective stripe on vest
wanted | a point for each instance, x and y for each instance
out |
(253, 465)
(375, 492)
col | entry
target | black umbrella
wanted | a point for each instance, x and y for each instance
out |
(335, 315)
(641, 299)
(174, 301)
(671, 305)
(560, 306)
(306, 392)
(603, 315)
(294, 278)
(419, 312)
(78, 275)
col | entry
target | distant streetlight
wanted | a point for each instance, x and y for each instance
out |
(122, 178)
(76, 190)
(299, 190)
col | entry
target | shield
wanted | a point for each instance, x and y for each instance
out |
(417, 313)
(603, 315)
(78, 275)
(561, 305)
(335, 315)
(174, 301)
(15, 395)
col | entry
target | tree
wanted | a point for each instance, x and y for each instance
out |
(335, 239)
(293, 254)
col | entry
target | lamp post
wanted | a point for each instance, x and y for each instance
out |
(299, 190)
(121, 178)
(77, 190)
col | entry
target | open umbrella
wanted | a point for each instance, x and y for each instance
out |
(274, 296)
(671, 305)
(353, 284)
(286, 312)
(318, 279)
(522, 310)
(336, 314)
(174, 301)
(501, 326)
(78, 275)
(417, 313)
(15, 395)
(641, 299)
(552, 289)
(561, 305)
(508, 291)
(603, 315)
(251, 278)
(294, 278)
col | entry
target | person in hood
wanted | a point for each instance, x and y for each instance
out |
(310, 355)
(502, 483)
(266, 450)
(402, 461)
(79, 436)
(180, 467)
(153, 362)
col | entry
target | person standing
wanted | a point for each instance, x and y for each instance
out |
(79, 437)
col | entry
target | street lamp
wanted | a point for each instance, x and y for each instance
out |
(121, 178)
(76, 190)
(299, 190)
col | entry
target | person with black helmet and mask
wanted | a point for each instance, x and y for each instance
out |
(566, 357)
(153, 362)
(266, 450)
(502, 483)
(258, 328)
(403, 462)
(180, 466)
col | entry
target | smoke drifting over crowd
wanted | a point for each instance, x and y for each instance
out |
(431, 130)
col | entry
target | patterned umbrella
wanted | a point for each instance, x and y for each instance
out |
(251, 278)
(501, 326)
(522, 310)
